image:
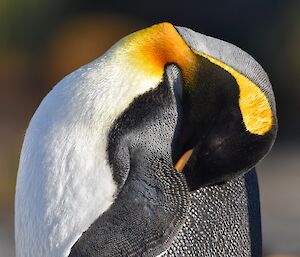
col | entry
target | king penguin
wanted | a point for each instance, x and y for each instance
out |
(147, 151)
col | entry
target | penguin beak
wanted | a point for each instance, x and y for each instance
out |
(183, 160)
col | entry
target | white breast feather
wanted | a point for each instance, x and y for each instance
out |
(64, 179)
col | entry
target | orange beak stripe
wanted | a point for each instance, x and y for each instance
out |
(183, 160)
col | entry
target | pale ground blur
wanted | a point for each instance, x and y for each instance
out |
(279, 182)
(42, 41)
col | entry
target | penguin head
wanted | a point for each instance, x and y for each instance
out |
(115, 149)
(225, 110)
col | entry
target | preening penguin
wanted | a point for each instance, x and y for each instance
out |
(142, 152)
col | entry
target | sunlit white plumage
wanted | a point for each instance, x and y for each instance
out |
(64, 180)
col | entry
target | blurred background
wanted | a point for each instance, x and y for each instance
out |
(41, 41)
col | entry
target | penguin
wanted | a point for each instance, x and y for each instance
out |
(147, 151)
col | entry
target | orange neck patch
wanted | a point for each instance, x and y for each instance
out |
(152, 48)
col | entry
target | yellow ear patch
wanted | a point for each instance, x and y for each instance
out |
(152, 48)
(254, 105)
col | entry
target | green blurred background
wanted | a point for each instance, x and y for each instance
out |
(41, 41)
